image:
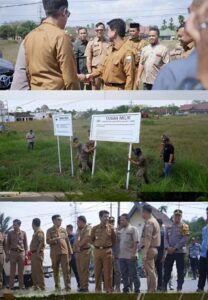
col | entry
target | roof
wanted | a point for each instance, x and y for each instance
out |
(167, 32)
(200, 106)
(155, 212)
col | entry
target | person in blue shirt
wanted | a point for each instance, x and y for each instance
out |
(194, 253)
(203, 261)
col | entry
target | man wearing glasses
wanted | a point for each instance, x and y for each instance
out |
(96, 52)
(61, 251)
(50, 63)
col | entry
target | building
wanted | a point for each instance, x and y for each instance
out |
(167, 34)
(22, 116)
(136, 219)
(3, 111)
(200, 108)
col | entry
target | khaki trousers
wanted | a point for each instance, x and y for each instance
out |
(37, 270)
(1, 269)
(103, 262)
(83, 262)
(62, 259)
(17, 258)
(149, 265)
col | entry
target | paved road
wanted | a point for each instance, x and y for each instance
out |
(189, 286)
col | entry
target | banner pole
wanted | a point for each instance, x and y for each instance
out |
(94, 157)
(71, 156)
(129, 167)
(59, 154)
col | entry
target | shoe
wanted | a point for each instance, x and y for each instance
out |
(199, 291)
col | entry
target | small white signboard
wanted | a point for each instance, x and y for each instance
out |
(124, 128)
(62, 125)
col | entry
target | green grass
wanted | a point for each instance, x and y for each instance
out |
(37, 171)
(10, 48)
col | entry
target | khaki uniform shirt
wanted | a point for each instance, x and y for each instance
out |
(2, 243)
(61, 246)
(96, 51)
(50, 62)
(176, 52)
(17, 241)
(37, 238)
(118, 66)
(103, 236)
(82, 234)
(127, 237)
(189, 49)
(153, 58)
(137, 45)
(150, 235)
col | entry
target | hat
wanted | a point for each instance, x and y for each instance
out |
(178, 212)
(134, 25)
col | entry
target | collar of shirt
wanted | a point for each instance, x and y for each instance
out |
(190, 46)
(97, 39)
(119, 45)
(137, 39)
(51, 22)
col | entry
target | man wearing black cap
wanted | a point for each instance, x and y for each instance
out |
(176, 237)
(82, 249)
(61, 251)
(50, 63)
(135, 42)
(149, 245)
(168, 156)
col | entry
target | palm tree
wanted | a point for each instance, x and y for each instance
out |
(4, 223)
(163, 209)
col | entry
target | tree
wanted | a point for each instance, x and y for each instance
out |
(181, 19)
(172, 109)
(171, 24)
(4, 223)
(44, 108)
(164, 25)
(24, 28)
(163, 209)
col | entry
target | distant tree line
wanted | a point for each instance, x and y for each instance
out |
(15, 30)
(170, 24)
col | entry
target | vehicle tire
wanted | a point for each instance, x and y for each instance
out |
(28, 281)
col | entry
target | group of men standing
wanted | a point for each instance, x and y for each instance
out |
(48, 60)
(115, 252)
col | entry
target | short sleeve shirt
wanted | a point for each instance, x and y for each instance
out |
(153, 58)
(168, 150)
(127, 237)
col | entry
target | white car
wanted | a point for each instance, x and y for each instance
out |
(27, 269)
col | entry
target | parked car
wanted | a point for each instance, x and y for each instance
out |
(47, 269)
(6, 74)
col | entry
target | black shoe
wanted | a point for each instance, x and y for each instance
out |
(199, 291)
(83, 290)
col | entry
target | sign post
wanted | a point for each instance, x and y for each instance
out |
(94, 157)
(63, 127)
(123, 128)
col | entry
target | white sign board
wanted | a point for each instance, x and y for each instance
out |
(124, 128)
(62, 125)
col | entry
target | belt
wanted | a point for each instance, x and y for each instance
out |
(103, 247)
(115, 84)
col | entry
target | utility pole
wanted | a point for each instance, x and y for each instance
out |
(111, 209)
(75, 215)
(40, 11)
(118, 210)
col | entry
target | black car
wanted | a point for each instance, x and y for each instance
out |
(6, 74)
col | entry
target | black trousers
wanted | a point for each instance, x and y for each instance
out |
(159, 269)
(73, 267)
(168, 266)
(194, 265)
(147, 86)
(203, 272)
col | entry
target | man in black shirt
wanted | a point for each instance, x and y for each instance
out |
(79, 53)
(168, 156)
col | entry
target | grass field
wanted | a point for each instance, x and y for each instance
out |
(22, 170)
(10, 48)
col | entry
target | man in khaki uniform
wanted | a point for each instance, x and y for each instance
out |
(128, 248)
(83, 251)
(149, 244)
(17, 252)
(135, 42)
(141, 163)
(95, 52)
(103, 238)
(37, 247)
(50, 63)
(186, 46)
(153, 58)
(61, 251)
(118, 68)
(2, 251)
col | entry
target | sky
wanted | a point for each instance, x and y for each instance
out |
(26, 211)
(83, 12)
(81, 101)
